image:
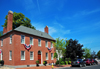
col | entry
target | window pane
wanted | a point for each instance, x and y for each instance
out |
(46, 43)
(39, 42)
(51, 45)
(46, 56)
(51, 56)
(31, 40)
(22, 55)
(10, 55)
(22, 39)
(31, 55)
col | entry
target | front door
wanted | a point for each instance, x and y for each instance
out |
(39, 58)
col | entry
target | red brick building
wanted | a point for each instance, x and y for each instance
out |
(16, 53)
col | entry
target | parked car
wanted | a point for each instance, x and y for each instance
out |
(88, 61)
(95, 62)
(78, 62)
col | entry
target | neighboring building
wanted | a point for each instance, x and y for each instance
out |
(16, 53)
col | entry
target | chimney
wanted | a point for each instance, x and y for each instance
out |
(10, 21)
(4, 30)
(46, 29)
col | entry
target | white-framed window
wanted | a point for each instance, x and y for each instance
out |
(31, 40)
(1, 42)
(46, 43)
(22, 39)
(31, 55)
(46, 56)
(51, 56)
(39, 42)
(10, 55)
(10, 39)
(22, 55)
(51, 45)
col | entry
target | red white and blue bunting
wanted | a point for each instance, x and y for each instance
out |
(27, 46)
(50, 49)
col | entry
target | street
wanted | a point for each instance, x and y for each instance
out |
(87, 67)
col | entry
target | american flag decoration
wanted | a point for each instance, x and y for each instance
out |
(27, 46)
(49, 49)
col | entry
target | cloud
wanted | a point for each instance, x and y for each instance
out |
(38, 6)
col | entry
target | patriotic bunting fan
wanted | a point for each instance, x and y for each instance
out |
(27, 46)
(49, 49)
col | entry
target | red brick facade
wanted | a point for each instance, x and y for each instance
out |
(16, 47)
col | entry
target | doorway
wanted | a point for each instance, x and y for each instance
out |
(39, 56)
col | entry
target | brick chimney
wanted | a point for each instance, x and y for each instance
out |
(4, 30)
(46, 29)
(10, 21)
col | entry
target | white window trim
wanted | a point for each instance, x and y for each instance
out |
(32, 40)
(45, 43)
(33, 55)
(10, 57)
(51, 45)
(24, 56)
(1, 42)
(38, 42)
(47, 56)
(24, 39)
(10, 39)
(51, 56)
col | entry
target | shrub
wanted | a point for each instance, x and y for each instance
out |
(69, 62)
(62, 63)
(37, 61)
(57, 62)
(1, 62)
(66, 62)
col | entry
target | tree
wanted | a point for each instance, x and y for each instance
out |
(93, 55)
(19, 19)
(98, 54)
(60, 45)
(1, 33)
(87, 52)
(74, 50)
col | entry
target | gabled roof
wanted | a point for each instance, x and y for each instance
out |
(33, 32)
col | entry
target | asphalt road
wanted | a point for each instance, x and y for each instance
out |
(87, 67)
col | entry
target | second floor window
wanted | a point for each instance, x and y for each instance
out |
(46, 43)
(1, 42)
(31, 41)
(22, 39)
(39, 42)
(10, 39)
(51, 45)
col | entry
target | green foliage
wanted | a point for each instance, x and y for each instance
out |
(62, 63)
(1, 33)
(37, 62)
(66, 62)
(98, 54)
(44, 62)
(55, 55)
(57, 62)
(19, 19)
(87, 53)
(69, 62)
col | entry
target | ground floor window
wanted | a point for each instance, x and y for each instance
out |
(51, 56)
(10, 55)
(46, 56)
(31, 55)
(22, 55)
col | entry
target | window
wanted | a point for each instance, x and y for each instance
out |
(10, 55)
(22, 55)
(10, 39)
(22, 39)
(1, 42)
(51, 45)
(39, 42)
(31, 41)
(51, 56)
(46, 43)
(46, 56)
(31, 55)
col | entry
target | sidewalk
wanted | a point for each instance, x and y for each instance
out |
(45, 67)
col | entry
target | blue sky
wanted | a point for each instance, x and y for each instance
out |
(76, 19)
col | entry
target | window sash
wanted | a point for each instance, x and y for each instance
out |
(10, 55)
(31, 40)
(46, 43)
(31, 55)
(22, 55)
(10, 39)
(22, 39)
(46, 56)
(51, 56)
(39, 42)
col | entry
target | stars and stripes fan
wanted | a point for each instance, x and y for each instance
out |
(49, 49)
(27, 46)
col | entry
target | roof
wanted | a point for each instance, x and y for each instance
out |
(33, 32)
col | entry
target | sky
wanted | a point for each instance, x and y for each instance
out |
(71, 19)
